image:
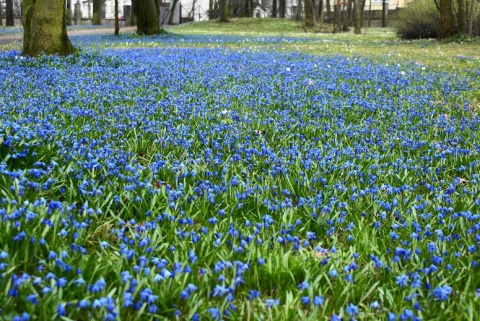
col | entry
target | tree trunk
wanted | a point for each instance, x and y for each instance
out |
(471, 16)
(9, 13)
(298, 14)
(117, 23)
(447, 22)
(147, 18)
(1, 16)
(329, 11)
(97, 9)
(274, 8)
(133, 13)
(172, 12)
(462, 25)
(45, 30)
(347, 16)
(283, 10)
(210, 10)
(336, 18)
(224, 11)
(362, 12)
(384, 13)
(309, 14)
(357, 17)
(320, 11)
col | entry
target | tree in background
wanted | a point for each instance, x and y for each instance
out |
(117, 22)
(1, 16)
(283, 6)
(97, 12)
(309, 19)
(147, 17)
(447, 19)
(357, 17)
(223, 10)
(274, 8)
(9, 13)
(44, 28)
(462, 25)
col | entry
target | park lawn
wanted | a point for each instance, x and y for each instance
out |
(201, 175)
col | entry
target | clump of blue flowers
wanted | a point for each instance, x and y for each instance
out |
(223, 183)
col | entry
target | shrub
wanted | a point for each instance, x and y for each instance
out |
(420, 19)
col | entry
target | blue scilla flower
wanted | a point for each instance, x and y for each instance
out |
(3, 255)
(253, 294)
(304, 285)
(442, 292)
(352, 310)
(402, 280)
(24, 317)
(32, 298)
(318, 300)
(270, 303)
(215, 313)
(375, 305)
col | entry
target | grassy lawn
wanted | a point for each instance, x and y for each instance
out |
(241, 171)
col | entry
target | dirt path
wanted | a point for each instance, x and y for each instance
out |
(74, 32)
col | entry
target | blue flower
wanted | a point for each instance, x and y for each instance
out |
(305, 300)
(442, 292)
(270, 303)
(215, 314)
(32, 298)
(318, 300)
(253, 294)
(402, 280)
(375, 305)
(304, 285)
(352, 310)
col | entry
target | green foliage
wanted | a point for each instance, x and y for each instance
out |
(418, 20)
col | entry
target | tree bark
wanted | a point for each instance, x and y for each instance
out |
(117, 23)
(357, 17)
(9, 13)
(223, 10)
(329, 11)
(172, 12)
(384, 13)
(462, 25)
(309, 14)
(447, 22)
(147, 18)
(347, 16)
(298, 14)
(274, 8)
(133, 13)
(44, 29)
(336, 18)
(320, 12)
(283, 5)
(97, 9)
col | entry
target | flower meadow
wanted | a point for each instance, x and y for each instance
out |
(236, 184)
